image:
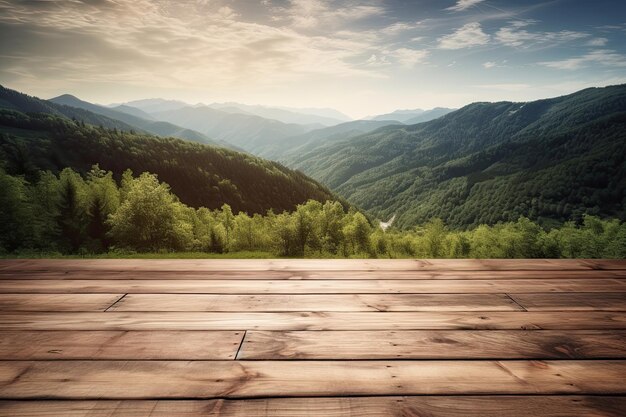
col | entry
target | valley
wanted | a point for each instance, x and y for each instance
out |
(482, 164)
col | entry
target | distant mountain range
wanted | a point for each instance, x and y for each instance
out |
(43, 135)
(249, 132)
(285, 115)
(551, 160)
(410, 117)
(134, 117)
(324, 117)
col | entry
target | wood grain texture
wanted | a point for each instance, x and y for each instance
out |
(313, 287)
(57, 302)
(312, 338)
(581, 320)
(434, 344)
(187, 345)
(380, 274)
(235, 379)
(326, 302)
(308, 264)
(572, 301)
(449, 406)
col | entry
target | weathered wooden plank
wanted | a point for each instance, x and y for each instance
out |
(307, 264)
(233, 379)
(572, 301)
(311, 275)
(314, 287)
(326, 302)
(439, 406)
(434, 344)
(57, 302)
(504, 320)
(188, 345)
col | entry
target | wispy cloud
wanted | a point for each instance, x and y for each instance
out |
(467, 36)
(408, 58)
(489, 64)
(597, 42)
(463, 5)
(312, 14)
(400, 27)
(604, 57)
(515, 35)
(204, 44)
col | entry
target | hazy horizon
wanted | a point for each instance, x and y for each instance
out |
(361, 58)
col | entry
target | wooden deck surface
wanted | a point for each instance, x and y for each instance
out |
(402, 338)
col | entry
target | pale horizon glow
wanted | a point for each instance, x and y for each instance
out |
(359, 57)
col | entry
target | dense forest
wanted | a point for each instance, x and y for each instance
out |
(70, 214)
(507, 180)
(551, 160)
(200, 175)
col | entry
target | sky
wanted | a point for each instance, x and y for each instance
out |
(360, 57)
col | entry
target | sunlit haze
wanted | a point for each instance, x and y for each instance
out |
(359, 57)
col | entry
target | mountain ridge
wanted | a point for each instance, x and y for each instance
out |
(449, 166)
(199, 174)
(153, 126)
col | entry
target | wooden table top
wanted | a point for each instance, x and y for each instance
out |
(436, 338)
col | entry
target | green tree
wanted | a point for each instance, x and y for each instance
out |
(434, 238)
(103, 201)
(71, 217)
(227, 219)
(45, 197)
(357, 232)
(15, 213)
(150, 218)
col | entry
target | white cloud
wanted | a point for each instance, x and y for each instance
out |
(313, 14)
(463, 5)
(377, 60)
(400, 57)
(205, 45)
(399, 27)
(603, 57)
(514, 35)
(408, 58)
(597, 42)
(467, 36)
(495, 64)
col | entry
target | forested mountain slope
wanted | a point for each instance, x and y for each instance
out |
(11, 99)
(199, 175)
(551, 160)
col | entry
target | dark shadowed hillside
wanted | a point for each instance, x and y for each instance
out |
(200, 175)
